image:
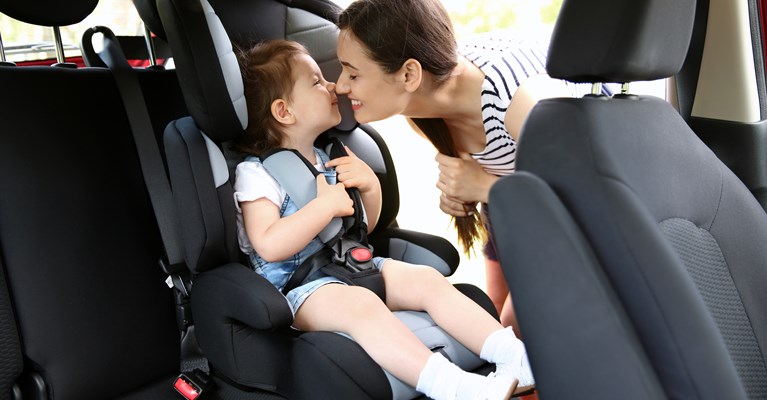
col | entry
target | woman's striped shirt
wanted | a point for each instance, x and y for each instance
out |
(506, 63)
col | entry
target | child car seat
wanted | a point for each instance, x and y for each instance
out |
(678, 236)
(242, 322)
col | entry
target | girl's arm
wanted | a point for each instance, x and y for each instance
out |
(275, 238)
(353, 172)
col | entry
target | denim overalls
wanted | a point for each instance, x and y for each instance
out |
(279, 272)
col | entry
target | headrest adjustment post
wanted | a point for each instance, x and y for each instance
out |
(59, 45)
(596, 88)
(150, 46)
(625, 88)
(2, 50)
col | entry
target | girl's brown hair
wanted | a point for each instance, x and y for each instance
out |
(393, 31)
(267, 75)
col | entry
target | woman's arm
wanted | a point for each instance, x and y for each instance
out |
(276, 238)
(530, 92)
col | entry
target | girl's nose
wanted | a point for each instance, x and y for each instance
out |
(331, 87)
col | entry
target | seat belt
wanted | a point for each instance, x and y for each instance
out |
(194, 366)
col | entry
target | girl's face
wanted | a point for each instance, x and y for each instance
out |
(313, 99)
(374, 94)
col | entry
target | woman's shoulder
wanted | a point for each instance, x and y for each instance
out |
(501, 42)
(505, 59)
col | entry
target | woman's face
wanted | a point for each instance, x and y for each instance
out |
(375, 95)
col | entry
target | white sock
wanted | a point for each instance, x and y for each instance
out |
(509, 355)
(442, 380)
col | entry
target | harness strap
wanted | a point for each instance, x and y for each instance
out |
(312, 264)
(297, 176)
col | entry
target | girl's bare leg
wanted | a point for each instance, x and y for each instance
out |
(359, 313)
(420, 288)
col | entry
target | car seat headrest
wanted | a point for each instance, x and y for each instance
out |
(147, 9)
(48, 13)
(206, 67)
(620, 40)
(202, 37)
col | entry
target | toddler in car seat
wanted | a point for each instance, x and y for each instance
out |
(289, 105)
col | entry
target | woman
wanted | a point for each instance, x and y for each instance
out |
(401, 57)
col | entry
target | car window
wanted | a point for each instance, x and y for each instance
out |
(29, 43)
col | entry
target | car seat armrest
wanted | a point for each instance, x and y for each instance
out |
(236, 292)
(417, 248)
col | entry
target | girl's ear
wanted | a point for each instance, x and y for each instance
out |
(412, 74)
(281, 112)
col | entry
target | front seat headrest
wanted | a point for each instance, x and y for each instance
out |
(620, 40)
(48, 13)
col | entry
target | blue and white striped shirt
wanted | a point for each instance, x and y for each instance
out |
(506, 63)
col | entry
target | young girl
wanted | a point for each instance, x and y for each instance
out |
(289, 105)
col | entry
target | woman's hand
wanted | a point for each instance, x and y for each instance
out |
(462, 180)
(451, 206)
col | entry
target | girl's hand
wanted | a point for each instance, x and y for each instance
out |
(334, 197)
(353, 172)
(462, 179)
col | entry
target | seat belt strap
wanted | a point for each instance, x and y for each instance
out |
(152, 166)
(160, 196)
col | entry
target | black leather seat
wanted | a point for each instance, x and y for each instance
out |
(674, 239)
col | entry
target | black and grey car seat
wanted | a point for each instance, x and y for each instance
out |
(242, 322)
(674, 240)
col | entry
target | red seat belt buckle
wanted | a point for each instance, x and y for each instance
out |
(187, 388)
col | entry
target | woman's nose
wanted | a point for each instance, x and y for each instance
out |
(342, 86)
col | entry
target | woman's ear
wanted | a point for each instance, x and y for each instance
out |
(412, 74)
(281, 112)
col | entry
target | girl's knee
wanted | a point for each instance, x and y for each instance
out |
(431, 277)
(362, 302)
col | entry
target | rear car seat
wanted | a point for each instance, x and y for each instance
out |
(78, 240)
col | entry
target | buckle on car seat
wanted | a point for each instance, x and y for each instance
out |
(354, 255)
(191, 385)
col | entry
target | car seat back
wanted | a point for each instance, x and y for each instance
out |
(678, 235)
(78, 238)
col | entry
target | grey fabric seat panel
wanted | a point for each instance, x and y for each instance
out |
(608, 163)
(578, 337)
(706, 264)
(10, 348)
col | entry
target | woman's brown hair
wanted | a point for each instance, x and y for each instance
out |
(267, 75)
(393, 31)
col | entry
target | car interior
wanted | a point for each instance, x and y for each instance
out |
(633, 246)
